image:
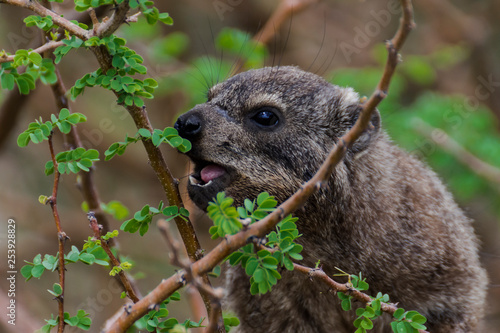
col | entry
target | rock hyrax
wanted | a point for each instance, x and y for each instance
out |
(383, 213)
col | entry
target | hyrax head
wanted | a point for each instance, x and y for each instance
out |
(266, 130)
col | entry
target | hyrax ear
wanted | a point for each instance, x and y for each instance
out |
(370, 134)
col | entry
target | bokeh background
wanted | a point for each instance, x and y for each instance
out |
(447, 89)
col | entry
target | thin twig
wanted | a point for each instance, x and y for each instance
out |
(117, 19)
(443, 140)
(45, 47)
(60, 21)
(95, 21)
(173, 246)
(212, 323)
(285, 9)
(61, 236)
(344, 287)
(97, 228)
(261, 228)
(203, 288)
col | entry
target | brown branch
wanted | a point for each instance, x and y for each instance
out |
(61, 236)
(56, 18)
(116, 20)
(97, 228)
(215, 314)
(212, 322)
(45, 47)
(261, 228)
(344, 287)
(443, 140)
(285, 9)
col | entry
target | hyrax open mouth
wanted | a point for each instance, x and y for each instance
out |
(206, 174)
(206, 181)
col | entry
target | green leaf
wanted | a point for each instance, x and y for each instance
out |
(251, 266)
(170, 210)
(22, 85)
(418, 326)
(418, 318)
(35, 58)
(165, 18)
(23, 139)
(63, 114)
(87, 258)
(401, 327)
(64, 127)
(144, 228)
(367, 324)
(37, 271)
(399, 313)
(56, 287)
(7, 81)
(26, 271)
(346, 304)
(144, 132)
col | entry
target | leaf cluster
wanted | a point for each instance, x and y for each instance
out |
(142, 219)
(89, 255)
(126, 62)
(408, 321)
(44, 23)
(370, 312)
(75, 160)
(404, 322)
(157, 321)
(36, 68)
(261, 265)
(39, 131)
(168, 135)
(151, 13)
(81, 320)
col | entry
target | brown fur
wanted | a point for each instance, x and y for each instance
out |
(383, 212)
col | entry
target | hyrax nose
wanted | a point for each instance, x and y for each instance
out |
(189, 125)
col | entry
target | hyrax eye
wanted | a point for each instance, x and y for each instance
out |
(265, 117)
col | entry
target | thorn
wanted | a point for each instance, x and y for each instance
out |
(155, 307)
(282, 212)
(128, 308)
(246, 222)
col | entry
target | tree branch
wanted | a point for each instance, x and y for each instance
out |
(56, 18)
(61, 236)
(261, 228)
(443, 140)
(116, 20)
(216, 320)
(285, 9)
(45, 47)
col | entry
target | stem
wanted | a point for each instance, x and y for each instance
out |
(97, 228)
(61, 237)
(45, 47)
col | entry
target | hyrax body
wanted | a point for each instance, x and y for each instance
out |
(383, 213)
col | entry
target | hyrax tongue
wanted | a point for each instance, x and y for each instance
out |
(211, 172)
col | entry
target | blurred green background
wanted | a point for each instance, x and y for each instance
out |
(449, 79)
